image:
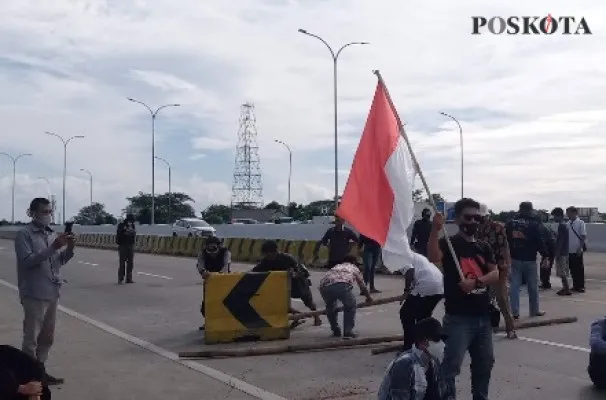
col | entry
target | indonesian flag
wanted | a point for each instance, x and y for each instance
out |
(377, 200)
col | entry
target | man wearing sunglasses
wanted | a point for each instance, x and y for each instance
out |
(526, 239)
(467, 321)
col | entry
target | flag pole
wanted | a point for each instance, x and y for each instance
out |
(418, 170)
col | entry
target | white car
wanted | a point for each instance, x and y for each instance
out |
(192, 227)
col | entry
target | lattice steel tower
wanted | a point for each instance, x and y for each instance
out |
(247, 189)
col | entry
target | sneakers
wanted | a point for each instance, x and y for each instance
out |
(350, 335)
(336, 332)
(374, 291)
(564, 292)
(50, 380)
(539, 314)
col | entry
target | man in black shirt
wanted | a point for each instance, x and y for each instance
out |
(526, 239)
(213, 258)
(420, 233)
(467, 322)
(125, 239)
(274, 260)
(371, 252)
(339, 240)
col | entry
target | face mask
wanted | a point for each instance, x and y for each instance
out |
(44, 220)
(469, 229)
(425, 216)
(212, 249)
(436, 350)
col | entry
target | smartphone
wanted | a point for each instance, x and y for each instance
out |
(68, 227)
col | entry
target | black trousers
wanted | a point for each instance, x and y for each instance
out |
(126, 255)
(415, 309)
(597, 370)
(18, 368)
(577, 270)
(545, 274)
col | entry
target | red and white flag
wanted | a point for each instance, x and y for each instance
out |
(377, 200)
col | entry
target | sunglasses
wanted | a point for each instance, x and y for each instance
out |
(474, 217)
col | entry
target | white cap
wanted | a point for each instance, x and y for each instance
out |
(483, 209)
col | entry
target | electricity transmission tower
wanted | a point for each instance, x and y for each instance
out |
(247, 189)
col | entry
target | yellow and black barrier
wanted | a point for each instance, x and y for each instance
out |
(246, 306)
(242, 249)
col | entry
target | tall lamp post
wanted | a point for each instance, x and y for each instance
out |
(50, 192)
(289, 170)
(14, 160)
(90, 175)
(170, 192)
(461, 145)
(153, 132)
(65, 143)
(335, 57)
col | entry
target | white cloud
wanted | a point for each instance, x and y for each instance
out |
(532, 107)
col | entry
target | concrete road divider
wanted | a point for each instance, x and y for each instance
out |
(246, 306)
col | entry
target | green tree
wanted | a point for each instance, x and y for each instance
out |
(274, 205)
(217, 214)
(94, 214)
(140, 205)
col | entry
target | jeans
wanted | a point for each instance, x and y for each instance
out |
(342, 292)
(577, 270)
(126, 254)
(38, 327)
(524, 270)
(474, 334)
(370, 257)
(415, 309)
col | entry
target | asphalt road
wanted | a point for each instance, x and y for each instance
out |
(162, 308)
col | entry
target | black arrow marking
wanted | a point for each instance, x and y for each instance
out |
(238, 300)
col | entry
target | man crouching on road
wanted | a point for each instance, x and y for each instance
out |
(39, 260)
(416, 373)
(213, 258)
(337, 284)
(274, 260)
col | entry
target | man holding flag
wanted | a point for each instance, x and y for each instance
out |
(377, 201)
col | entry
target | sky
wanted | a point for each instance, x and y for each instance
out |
(532, 108)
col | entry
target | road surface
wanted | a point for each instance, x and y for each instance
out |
(101, 343)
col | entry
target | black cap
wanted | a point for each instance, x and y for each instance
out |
(429, 329)
(526, 206)
(213, 240)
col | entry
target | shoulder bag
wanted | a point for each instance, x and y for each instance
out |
(578, 236)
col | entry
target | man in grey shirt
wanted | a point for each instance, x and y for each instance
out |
(39, 261)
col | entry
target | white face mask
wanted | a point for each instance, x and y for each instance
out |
(436, 350)
(44, 220)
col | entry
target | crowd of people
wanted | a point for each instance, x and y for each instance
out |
(471, 270)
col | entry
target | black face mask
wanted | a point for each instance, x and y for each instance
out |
(469, 228)
(426, 216)
(212, 249)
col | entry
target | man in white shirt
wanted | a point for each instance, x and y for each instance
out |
(577, 235)
(424, 287)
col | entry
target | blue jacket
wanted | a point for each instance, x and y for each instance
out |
(597, 357)
(526, 238)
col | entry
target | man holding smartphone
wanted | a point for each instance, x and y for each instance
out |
(41, 252)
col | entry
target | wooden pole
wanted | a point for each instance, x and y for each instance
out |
(418, 169)
(292, 348)
(522, 325)
(378, 302)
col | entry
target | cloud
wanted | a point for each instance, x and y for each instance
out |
(531, 107)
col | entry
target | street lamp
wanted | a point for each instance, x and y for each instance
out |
(50, 194)
(289, 169)
(335, 57)
(90, 175)
(170, 193)
(14, 160)
(153, 115)
(461, 140)
(65, 143)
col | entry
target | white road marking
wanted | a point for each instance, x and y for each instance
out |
(155, 276)
(552, 344)
(229, 380)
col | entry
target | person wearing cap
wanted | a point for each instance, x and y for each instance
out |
(337, 285)
(424, 288)
(416, 374)
(420, 232)
(125, 239)
(526, 239)
(340, 240)
(493, 233)
(213, 258)
(275, 260)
